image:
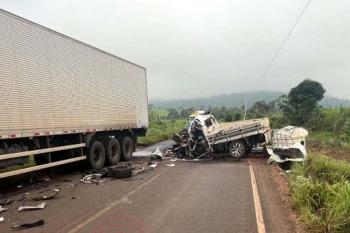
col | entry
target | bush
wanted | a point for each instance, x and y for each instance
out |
(160, 130)
(321, 193)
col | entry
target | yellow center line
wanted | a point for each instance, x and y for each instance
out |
(258, 211)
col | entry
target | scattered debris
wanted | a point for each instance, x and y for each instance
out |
(169, 152)
(139, 168)
(196, 160)
(21, 198)
(43, 179)
(37, 207)
(6, 201)
(3, 209)
(119, 171)
(170, 164)
(29, 225)
(288, 145)
(157, 155)
(2, 219)
(95, 178)
(50, 195)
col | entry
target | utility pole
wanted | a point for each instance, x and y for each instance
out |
(245, 109)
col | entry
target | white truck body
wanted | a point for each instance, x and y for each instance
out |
(53, 84)
(61, 95)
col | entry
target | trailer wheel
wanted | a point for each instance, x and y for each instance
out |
(237, 149)
(113, 151)
(97, 155)
(127, 148)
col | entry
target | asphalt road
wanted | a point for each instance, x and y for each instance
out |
(210, 196)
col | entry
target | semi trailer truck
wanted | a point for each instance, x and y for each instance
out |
(63, 101)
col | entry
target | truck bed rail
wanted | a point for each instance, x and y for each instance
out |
(236, 133)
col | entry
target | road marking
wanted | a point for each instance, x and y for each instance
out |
(257, 205)
(113, 204)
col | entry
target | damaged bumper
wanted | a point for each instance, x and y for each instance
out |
(288, 145)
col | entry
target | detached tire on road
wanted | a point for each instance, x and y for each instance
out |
(120, 171)
(96, 156)
(237, 149)
(127, 148)
(113, 151)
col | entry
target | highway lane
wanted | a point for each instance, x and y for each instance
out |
(210, 196)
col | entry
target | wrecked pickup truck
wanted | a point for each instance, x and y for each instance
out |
(204, 135)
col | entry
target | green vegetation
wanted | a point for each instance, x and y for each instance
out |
(301, 104)
(30, 163)
(328, 127)
(162, 130)
(162, 125)
(332, 129)
(321, 193)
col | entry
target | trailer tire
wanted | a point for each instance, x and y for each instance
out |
(237, 149)
(97, 155)
(113, 151)
(127, 148)
(120, 171)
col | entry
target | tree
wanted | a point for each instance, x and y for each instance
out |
(173, 113)
(228, 117)
(259, 109)
(238, 116)
(302, 102)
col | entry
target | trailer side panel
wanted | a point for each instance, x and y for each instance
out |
(51, 84)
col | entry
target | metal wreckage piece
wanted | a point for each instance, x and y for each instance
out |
(32, 207)
(288, 145)
(29, 225)
(192, 143)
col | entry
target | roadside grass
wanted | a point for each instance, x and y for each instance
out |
(329, 139)
(320, 190)
(160, 130)
(30, 163)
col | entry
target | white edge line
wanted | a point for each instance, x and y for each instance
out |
(258, 211)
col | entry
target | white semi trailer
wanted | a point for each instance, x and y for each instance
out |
(63, 101)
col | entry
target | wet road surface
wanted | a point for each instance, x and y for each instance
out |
(210, 196)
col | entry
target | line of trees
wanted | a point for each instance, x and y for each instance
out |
(300, 107)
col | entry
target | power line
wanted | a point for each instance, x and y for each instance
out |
(268, 67)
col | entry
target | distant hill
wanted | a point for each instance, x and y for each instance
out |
(238, 99)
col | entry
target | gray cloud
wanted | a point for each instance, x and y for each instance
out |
(195, 48)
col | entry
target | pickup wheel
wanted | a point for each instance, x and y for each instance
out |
(113, 151)
(127, 148)
(97, 155)
(237, 149)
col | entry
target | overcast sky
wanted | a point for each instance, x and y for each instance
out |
(202, 48)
